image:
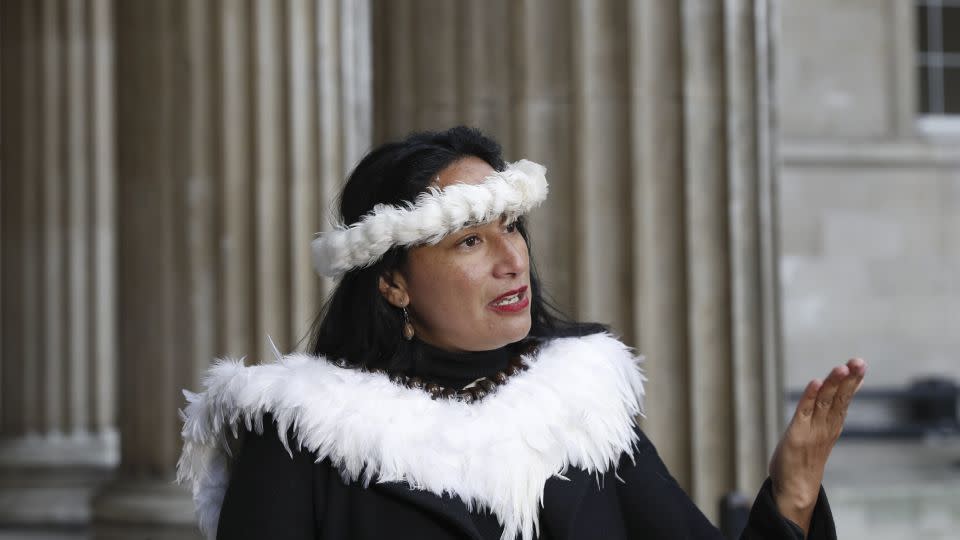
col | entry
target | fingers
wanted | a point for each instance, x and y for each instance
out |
(808, 400)
(827, 393)
(858, 366)
(850, 384)
(830, 398)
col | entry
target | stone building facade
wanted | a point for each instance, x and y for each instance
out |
(165, 165)
(869, 211)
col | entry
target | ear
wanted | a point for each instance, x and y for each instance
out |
(393, 287)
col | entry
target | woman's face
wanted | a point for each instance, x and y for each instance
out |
(471, 291)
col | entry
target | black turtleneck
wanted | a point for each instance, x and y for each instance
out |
(457, 369)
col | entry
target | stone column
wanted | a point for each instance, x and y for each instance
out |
(654, 120)
(57, 428)
(237, 123)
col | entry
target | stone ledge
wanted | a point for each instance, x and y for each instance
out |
(95, 450)
(45, 496)
(866, 153)
(132, 508)
(43, 534)
(136, 502)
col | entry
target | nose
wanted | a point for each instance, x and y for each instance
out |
(511, 256)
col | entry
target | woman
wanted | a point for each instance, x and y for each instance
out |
(445, 397)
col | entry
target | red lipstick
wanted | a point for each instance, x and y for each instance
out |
(513, 305)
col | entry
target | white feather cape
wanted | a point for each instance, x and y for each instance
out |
(575, 406)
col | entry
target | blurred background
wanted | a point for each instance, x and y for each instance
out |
(749, 191)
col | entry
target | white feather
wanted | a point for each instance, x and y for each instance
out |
(436, 213)
(575, 406)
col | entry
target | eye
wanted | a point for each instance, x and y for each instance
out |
(470, 241)
(512, 227)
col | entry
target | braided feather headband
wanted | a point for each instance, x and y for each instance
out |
(509, 193)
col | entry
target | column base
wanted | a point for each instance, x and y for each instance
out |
(47, 484)
(134, 509)
(30, 534)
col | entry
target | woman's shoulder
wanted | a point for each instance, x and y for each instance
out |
(266, 444)
(593, 356)
(235, 395)
(272, 487)
(597, 343)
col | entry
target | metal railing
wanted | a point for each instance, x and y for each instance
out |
(925, 408)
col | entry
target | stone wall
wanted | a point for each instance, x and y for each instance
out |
(869, 217)
(871, 260)
(869, 202)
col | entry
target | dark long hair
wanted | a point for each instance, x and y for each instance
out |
(357, 324)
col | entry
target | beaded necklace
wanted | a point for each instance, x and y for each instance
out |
(475, 391)
(471, 393)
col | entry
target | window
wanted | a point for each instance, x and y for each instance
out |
(939, 56)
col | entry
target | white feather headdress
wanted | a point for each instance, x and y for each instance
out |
(575, 407)
(436, 213)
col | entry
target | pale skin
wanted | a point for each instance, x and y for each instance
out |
(450, 290)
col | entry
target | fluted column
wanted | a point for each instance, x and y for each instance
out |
(237, 123)
(654, 121)
(57, 430)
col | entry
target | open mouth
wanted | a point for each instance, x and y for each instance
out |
(514, 300)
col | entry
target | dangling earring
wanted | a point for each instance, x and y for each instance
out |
(407, 327)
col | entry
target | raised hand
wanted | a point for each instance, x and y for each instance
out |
(796, 469)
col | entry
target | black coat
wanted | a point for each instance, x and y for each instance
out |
(273, 496)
